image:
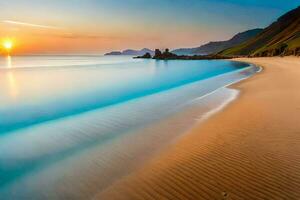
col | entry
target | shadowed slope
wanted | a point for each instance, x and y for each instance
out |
(215, 47)
(280, 38)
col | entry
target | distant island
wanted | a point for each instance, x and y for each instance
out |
(130, 52)
(167, 55)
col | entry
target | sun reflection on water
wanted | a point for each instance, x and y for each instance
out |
(13, 86)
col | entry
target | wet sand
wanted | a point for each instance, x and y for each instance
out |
(250, 150)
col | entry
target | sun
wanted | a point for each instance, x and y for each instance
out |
(7, 44)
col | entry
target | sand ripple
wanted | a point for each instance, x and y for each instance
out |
(249, 151)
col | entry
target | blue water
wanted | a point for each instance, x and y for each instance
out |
(44, 91)
(66, 122)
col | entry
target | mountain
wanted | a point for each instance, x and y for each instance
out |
(280, 38)
(215, 47)
(114, 53)
(131, 52)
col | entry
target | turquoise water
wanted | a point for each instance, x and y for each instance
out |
(65, 120)
(45, 90)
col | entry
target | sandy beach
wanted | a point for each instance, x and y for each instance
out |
(249, 150)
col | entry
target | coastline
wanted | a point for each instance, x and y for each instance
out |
(248, 150)
(113, 145)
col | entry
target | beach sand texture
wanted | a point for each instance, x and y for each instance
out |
(250, 150)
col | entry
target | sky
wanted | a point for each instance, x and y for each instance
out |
(99, 26)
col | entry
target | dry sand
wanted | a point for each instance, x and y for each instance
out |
(250, 150)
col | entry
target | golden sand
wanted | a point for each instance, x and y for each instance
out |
(250, 150)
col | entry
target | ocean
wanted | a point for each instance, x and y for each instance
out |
(72, 125)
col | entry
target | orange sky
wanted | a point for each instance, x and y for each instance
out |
(39, 39)
(99, 26)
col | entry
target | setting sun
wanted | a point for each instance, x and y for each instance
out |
(8, 44)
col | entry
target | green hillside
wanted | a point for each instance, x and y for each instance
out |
(215, 47)
(280, 38)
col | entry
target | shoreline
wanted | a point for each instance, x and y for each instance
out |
(126, 151)
(239, 153)
(81, 109)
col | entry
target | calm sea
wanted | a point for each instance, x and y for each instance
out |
(69, 122)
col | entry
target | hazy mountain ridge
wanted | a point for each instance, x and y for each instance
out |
(280, 38)
(215, 47)
(131, 52)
